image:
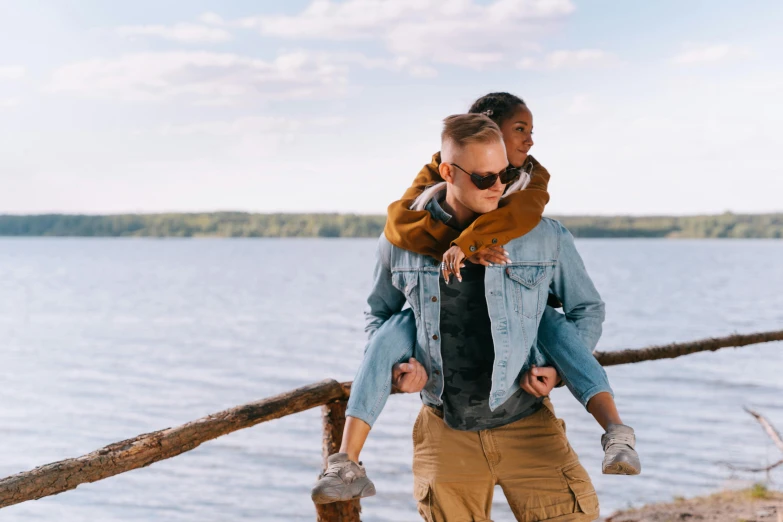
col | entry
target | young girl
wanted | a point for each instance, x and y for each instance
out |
(394, 342)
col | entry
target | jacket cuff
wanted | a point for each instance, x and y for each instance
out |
(468, 247)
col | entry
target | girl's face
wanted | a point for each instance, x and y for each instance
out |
(518, 135)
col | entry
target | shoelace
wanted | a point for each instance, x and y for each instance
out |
(334, 468)
(621, 438)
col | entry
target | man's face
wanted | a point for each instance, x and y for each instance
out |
(481, 159)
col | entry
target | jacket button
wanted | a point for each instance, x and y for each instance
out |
(435, 337)
(494, 240)
(436, 372)
(472, 248)
(434, 299)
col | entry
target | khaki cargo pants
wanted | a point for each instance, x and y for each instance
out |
(455, 471)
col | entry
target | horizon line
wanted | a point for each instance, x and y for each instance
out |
(337, 213)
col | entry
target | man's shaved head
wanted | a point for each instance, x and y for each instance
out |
(461, 130)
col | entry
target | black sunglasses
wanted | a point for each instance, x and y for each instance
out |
(507, 175)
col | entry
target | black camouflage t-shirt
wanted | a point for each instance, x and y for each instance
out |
(468, 356)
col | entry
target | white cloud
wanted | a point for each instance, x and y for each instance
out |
(182, 32)
(705, 54)
(351, 19)
(212, 19)
(251, 138)
(8, 103)
(559, 59)
(249, 125)
(423, 71)
(202, 78)
(423, 32)
(569, 59)
(12, 72)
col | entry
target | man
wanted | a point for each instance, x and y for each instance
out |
(477, 428)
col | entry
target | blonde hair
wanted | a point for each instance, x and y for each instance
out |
(462, 129)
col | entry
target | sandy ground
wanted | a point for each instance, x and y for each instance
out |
(751, 505)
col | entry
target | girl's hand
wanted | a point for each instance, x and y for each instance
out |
(494, 255)
(453, 259)
(452, 262)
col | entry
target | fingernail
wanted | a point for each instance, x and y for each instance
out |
(489, 264)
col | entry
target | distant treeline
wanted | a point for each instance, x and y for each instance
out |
(241, 224)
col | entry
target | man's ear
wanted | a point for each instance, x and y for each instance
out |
(446, 172)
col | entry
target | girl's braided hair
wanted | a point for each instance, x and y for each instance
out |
(499, 106)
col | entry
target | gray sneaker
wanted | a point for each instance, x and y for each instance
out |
(344, 480)
(620, 456)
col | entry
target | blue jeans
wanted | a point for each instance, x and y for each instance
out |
(559, 345)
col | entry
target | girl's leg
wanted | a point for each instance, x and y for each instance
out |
(602, 407)
(560, 344)
(344, 478)
(393, 343)
(355, 435)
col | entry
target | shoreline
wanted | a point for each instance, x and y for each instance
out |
(243, 224)
(754, 504)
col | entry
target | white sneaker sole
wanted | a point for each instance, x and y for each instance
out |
(330, 495)
(621, 468)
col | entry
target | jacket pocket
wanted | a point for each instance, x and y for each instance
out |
(406, 281)
(529, 290)
(585, 498)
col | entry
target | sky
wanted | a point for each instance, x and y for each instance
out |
(664, 107)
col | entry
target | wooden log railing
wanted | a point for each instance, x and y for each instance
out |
(334, 421)
(332, 396)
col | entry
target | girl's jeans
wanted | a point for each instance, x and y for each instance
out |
(559, 345)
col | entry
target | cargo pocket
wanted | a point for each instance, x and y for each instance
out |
(585, 498)
(421, 492)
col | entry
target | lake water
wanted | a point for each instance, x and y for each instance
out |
(104, 339)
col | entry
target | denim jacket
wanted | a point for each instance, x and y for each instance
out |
(544, 260)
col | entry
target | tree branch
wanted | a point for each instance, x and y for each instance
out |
(773, 434)
(769, 428)
(752, 470)
(148, 448)
(673, 350)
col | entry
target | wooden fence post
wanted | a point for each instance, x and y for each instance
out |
(334, 422)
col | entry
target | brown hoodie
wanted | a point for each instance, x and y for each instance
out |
(417, 231)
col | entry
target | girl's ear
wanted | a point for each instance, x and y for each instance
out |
(446, 172)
